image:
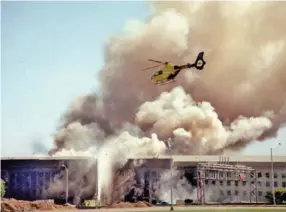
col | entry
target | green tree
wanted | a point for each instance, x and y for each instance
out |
(280, 196)
(3, 188)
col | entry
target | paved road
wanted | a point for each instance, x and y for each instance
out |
(213, 208)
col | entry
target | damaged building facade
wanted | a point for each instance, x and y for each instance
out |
(210, 179)
(202, 179)
(32, 178)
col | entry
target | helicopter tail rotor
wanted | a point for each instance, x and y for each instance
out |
(200, 62)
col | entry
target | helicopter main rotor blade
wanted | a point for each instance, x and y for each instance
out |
(149, 67)
(156, 61)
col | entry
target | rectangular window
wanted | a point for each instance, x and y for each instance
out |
(244, 183)
(275, 184)
(259, 174)
(221, 183)
(221, 192)
(260, 193)
(213, 182)
(228, 192)
(228, 174)
(236, 193)
(275, 175)
(228, 183)
(206, 182)
(236, 183)
(283, 175)
(267, 175)
(207, 174)
(284, 184)
(267, 184)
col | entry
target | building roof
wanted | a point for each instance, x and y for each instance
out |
(176, 158)
(233, 158)
(47, 158)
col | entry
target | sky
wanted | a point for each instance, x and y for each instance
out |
(50, 54)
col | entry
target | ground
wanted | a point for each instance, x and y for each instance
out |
(188, 209)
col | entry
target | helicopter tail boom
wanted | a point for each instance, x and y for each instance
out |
(198, 64)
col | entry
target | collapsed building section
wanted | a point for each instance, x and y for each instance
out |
(136, 180)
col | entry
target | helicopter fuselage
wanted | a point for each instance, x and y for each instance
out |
(169, 72)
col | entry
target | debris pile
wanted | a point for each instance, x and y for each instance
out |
(13, 205)
(140, 204)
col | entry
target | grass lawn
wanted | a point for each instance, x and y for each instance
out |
(232, 210)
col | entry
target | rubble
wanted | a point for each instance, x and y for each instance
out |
(13, 205)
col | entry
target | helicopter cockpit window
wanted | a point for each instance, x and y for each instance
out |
(160, 72)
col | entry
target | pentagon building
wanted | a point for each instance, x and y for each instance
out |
(228, 178)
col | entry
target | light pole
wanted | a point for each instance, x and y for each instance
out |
(171, 173)
(67, 181)
(272, 174)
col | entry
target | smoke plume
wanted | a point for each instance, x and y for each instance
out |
(239, 97)
(196, 126)
(182, 189)
(244, 46)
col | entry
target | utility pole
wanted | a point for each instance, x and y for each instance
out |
(272, 176)
(67, 182)
(171, 173)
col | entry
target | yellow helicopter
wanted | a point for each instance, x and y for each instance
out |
(169, 72)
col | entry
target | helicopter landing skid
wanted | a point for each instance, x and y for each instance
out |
(168, 82)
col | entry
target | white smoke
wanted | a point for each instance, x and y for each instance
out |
(182, 189)
(118, 149)
(196, 127)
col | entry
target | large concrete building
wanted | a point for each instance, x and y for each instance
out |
(232, 188)
(31, 178)
(213, 178)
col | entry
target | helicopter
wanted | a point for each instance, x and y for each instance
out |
(169, 72)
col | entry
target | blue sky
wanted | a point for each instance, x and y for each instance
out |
(51, 52)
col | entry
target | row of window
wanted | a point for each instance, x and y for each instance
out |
(267, 175)
(228, 182)
(267, 184)
(236, 183)
(236, 193)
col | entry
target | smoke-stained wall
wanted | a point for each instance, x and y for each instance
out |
(27, 180)
(45, 179)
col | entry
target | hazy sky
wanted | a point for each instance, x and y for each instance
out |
(51, 52)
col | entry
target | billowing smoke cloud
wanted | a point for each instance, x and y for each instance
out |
(239, 97)
(244, 46)
(196, 126)
(245, 51)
